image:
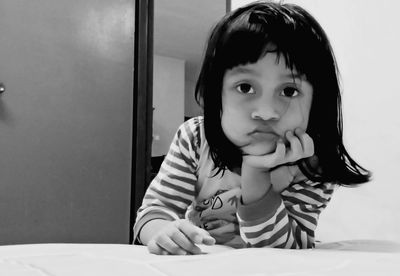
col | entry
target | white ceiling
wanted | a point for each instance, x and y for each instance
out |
(181, 28)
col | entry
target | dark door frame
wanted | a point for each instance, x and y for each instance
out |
(142, 105)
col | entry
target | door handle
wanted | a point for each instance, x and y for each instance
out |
(2, 88)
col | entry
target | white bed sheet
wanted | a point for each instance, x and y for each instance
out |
(368, 257)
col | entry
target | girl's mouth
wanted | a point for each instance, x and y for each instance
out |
(262, 135)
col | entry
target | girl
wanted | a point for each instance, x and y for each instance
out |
(263, 163)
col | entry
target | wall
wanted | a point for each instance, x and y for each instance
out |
(192, 109)
(365, 37)
(168, 101)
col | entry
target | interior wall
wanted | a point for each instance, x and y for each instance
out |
(365, 37)
(168, 101)
(192, 109)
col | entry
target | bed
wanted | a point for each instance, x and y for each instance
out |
(364, 257)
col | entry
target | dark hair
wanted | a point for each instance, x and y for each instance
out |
(244, 36)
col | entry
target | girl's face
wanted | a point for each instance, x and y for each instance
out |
(261, 101)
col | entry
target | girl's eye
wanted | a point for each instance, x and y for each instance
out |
(245, 88)
(290, 92)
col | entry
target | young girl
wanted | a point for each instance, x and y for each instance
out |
(263, 163)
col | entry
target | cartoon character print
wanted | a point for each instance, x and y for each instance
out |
(217, 215)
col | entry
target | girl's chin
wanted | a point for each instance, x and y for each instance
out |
(259, 149)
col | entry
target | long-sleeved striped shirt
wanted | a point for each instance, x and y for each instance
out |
(187, 187)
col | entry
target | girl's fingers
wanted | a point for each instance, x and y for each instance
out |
(208, 240)
(300, 146)
(279, 155)
(296, 150)
(269, 160)
(167, 244)
(154, 248)
(182, 240)
(306, 141)
(195, 234)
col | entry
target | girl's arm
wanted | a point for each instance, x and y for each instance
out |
(271, 217)
(255, 183)
(286, 220)
(173, 189)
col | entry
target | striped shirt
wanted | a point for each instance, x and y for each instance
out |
(187, 187)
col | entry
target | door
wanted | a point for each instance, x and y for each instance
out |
(66, 120)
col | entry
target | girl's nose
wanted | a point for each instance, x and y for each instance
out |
(267, 109)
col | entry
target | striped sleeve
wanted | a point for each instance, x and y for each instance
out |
(292, 220)
(173, 189)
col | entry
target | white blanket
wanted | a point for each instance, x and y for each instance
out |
(366, 257)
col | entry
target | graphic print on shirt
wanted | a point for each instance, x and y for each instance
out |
(217, 214)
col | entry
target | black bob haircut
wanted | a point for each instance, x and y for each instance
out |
(244, 36)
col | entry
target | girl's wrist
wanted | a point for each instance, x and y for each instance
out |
(255, 183)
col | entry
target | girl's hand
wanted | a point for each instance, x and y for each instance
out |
(258, 175)
(300, 146)
(179, 237)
